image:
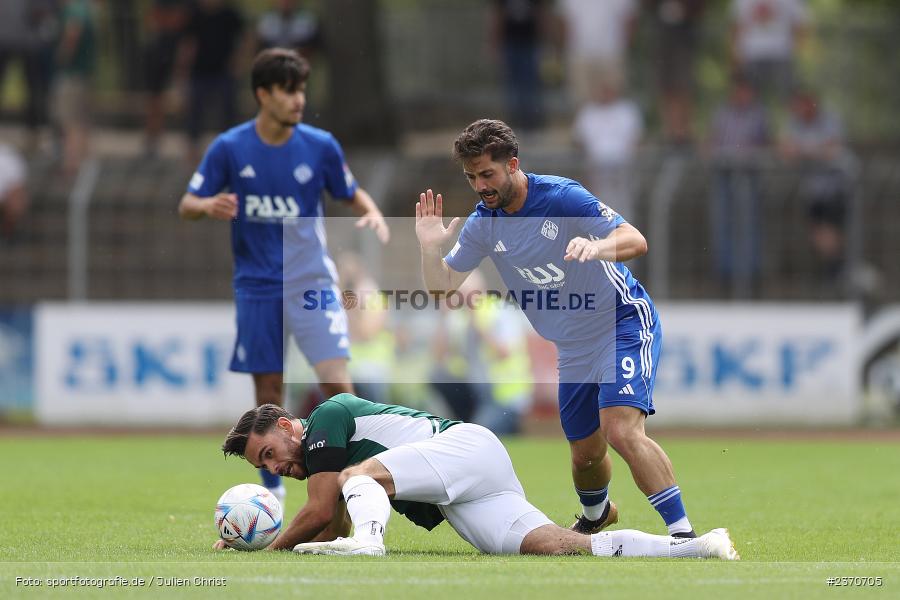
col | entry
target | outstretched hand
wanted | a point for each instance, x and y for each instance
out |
(430, 222)
(375, 221)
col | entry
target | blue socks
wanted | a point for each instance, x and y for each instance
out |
(669, 506)
(593, 502)
(269, 480)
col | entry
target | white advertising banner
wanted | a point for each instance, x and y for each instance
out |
(137, 364)
(739, 364)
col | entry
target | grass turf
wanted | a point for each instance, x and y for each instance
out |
(800, 512)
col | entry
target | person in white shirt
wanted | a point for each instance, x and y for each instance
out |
(609, 129)
(765, 37)
(597, 37)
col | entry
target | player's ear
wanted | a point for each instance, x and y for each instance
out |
(284, 424)
(512, 165)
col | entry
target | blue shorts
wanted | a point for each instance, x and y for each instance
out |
(637, 356)
(263, 325)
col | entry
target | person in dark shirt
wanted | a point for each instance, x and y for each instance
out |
(212, 38)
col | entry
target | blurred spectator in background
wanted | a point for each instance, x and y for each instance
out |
(75, 66)
(739, 131)
(516, 32)
(209, 53)
(765, 36)
(502, 331)
(609, 128)
(814, 138)
(373, 352)
(460, 375)
(28, 30)
(677, 28)
(597, 38)
(13, 195)
(166, 21)
(289, 26)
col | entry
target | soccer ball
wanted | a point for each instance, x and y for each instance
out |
(248, 517)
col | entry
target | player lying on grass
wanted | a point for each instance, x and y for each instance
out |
(429, 469)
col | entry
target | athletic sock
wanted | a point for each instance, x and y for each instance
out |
(669, 506)
(270, 480)
(369, 508)
(631, 542)
(593, 502)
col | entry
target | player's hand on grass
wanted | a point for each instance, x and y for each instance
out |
(223, 207)
(582, 250)
(375, 220)
(220, 545)
(430, 223)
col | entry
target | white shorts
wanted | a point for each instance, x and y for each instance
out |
(467, 473)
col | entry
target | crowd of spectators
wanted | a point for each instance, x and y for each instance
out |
(194, 52)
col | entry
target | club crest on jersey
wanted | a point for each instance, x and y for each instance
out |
(303, 173)
(549, 230)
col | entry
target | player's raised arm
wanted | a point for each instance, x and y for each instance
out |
(370, 216)
(432, 234)
(316, 515)
(624, 243)
(222, 207)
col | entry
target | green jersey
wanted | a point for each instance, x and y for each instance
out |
(345, 430)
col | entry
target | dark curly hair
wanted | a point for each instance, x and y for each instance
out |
(486, 136)
(258, 420)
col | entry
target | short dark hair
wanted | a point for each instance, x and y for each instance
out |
(278, 66)
(486, 136)
(258, 420)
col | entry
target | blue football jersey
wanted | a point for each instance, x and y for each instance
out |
(566, 302)
(280, 212)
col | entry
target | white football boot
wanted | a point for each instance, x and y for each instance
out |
(717, 544)
(341, 547)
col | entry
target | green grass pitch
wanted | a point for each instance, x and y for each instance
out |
(800, 512)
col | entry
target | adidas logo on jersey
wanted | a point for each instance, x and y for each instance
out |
(500, 247)
(247, 172)
(627, 391)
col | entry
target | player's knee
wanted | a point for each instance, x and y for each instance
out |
(363, 468)
(622, 436)
(586, 462)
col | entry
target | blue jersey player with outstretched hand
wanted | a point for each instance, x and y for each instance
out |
(560, 252)
(266, 177)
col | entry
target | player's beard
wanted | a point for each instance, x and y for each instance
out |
(502, 198)
(297, 469)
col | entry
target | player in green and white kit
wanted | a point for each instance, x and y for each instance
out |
(374, 456)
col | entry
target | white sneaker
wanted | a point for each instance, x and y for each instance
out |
(341, 547)
(717, 544)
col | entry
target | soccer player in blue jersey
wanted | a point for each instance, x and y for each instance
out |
(560, 252)
(266, 177)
